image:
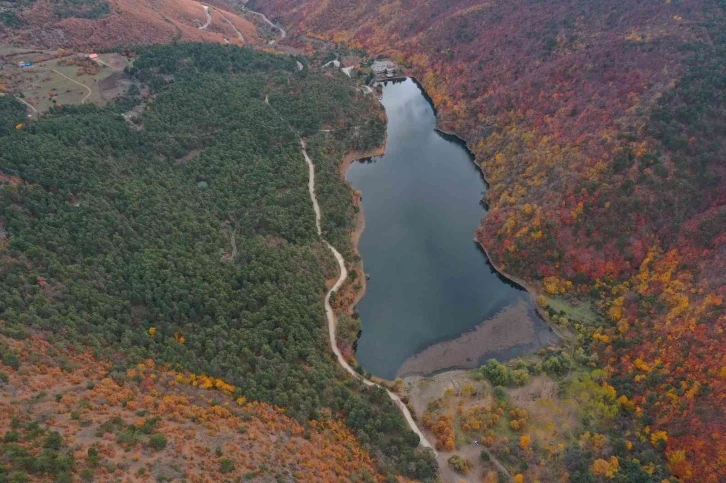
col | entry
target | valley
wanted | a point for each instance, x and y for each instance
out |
(195, 255)
(605, 197)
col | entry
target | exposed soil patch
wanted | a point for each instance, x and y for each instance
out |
(113, 86)
(514, 329)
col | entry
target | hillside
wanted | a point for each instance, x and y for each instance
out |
(106, 24)
(176, 226)
(600, 127)
(67, 414)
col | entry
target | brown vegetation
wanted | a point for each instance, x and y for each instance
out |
(129, 23)
(205, 435)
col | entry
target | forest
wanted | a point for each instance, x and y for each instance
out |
(600, 127)
(186, 235)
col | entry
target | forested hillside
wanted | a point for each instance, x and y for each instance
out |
(600, 126)
(186, 234)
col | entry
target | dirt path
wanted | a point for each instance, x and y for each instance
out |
(32, 108)
(283, 34)
(209, 18)
(330, 314)
(83, 101)
(239, 34)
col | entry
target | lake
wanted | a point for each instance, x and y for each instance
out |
(429, 281)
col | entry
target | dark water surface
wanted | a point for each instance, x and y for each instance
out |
(429, 280)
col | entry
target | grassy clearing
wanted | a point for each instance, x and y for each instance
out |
(574, 312)
(43, 88)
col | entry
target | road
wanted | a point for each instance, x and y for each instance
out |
(330, 314)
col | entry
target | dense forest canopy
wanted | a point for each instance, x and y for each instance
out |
(187, 235)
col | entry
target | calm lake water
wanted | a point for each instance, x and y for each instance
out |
(429, 281)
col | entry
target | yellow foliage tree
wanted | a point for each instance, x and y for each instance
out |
(606, 468)
(525, 442)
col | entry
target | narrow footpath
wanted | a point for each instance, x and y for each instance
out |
(209, 18)
(330, 315)
(88, 89)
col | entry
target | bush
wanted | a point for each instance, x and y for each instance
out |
(459, 464)
(157, 441)
(520, 377)
(500, 375)
(11, 359)
(87, 474)
(226, 466)
(92, 456)
(54, 441)
(497, 373)
(150, 424)
(556, 366)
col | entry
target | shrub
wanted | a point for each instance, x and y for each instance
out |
(92, 456)
(157, 441)
(87, 474)
(150, 424)
(226, 465)
(459, 464)
(10, 359)
(497, 373)
(54, 441)
(520, 377)
(555, 366)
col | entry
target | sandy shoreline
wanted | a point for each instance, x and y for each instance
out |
(510, 331)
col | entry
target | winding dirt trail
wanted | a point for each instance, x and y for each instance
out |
(283, 34)
(83, 101)
(209, 18)
(330, 314)
(32, 108)
(239, 34)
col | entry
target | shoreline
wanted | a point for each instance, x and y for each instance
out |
(360, 223)
(511, 331)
